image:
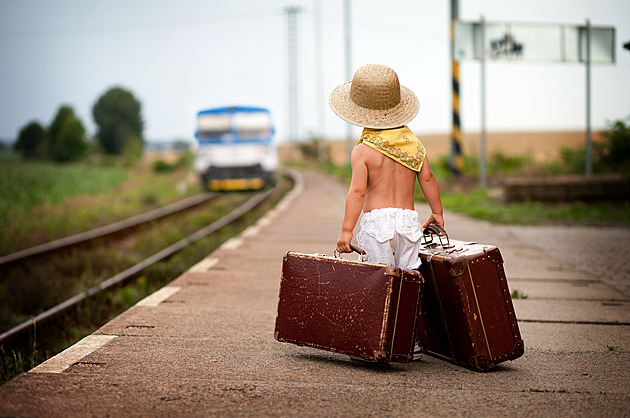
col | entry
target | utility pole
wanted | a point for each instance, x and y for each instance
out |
(348, 34)
(588, 163)
(293, 111)
(483, 163)
(455, 162)
(319, 62)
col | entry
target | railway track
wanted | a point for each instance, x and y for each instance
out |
(107, 230)
(54, 250)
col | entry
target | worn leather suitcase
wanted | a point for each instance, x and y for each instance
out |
(361, 309)
(467, 313)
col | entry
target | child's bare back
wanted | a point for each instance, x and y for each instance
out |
(388, 183)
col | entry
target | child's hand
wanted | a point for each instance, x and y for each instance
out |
(435, 217)
(343, 242)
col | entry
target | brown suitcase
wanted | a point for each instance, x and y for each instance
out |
(366, 310)
(467, 313)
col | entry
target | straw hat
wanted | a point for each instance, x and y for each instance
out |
(374, 99)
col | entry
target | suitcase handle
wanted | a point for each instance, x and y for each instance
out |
(357, 250)
(354, 248)
(435, 229)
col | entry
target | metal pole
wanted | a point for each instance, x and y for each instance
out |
(483, 172)
(292, 76)
(348, 36)
(455, 160)
(588, 157)
(319, 61)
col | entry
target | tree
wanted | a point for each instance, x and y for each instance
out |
(70, 144)
(32, 141)
(118, 116)
(66, 135)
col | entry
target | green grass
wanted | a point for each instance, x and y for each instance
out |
(479, 204)
(42, 201)
(23, 186)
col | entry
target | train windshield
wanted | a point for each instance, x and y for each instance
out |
(252, 125)
(214, 126)
(226, 125)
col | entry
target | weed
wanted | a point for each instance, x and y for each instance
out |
(20, 361)
(548, 390)
(149, 199)
(517, 294)
(611, 347)
(539, 390)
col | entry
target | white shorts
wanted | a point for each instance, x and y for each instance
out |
(391, 236)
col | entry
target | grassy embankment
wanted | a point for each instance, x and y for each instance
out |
(42, 201)
(459, 194)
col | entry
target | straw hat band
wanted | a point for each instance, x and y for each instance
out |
(375, 90)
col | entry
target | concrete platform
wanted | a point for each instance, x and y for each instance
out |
(204, 346)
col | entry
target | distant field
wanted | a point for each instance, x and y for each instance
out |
(42, 201)
(24, 186)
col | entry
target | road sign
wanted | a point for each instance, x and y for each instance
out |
(534, 42)
(485, 41)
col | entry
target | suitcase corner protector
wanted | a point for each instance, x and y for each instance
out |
(518, 350)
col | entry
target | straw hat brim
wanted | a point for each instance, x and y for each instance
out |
(403, 113)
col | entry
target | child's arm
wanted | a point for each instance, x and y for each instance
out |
(429, 187)
(354, 200)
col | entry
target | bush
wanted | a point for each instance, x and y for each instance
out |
(161, 166)
(613, 154)
(570, 161)
(499, 163)
(32, 141)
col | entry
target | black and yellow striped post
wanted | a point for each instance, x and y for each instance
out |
(456, 160)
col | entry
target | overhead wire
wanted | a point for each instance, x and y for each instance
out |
(147, 26)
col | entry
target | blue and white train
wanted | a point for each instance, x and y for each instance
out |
(236, 148)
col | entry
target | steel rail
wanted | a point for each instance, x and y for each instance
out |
(103, 231)
(131, 271)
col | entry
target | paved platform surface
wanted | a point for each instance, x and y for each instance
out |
(204, 346)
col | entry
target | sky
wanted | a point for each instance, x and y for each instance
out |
(181, 56)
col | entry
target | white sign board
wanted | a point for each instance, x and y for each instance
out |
(534, 42)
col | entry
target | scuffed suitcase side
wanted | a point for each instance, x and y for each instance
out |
(477, 328)
(319, 310)
(312, 314)
(500, 319)
(451, 327)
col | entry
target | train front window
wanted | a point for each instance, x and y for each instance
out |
(214, 126)
(253, 125)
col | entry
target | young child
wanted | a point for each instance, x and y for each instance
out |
(385, 164)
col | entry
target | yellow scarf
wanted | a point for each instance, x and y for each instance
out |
(399, 144)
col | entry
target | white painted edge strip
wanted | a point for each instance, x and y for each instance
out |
(252, 231)
(204, 265)
(73, 354)
(232, 244)
(264, 222)
(158, 297)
